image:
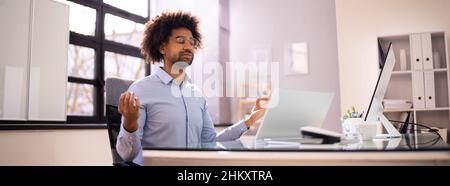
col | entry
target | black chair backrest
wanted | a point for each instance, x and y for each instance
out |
(113, 120)
(114, 87)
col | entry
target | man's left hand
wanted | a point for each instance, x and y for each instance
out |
(257, 112)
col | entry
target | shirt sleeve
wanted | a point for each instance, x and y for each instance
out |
(229, 134)
(232, 132)
(128, 144)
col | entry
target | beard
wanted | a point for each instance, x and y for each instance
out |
(186, 56)
(181, 61)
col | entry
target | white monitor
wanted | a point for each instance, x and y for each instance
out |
(375, 110)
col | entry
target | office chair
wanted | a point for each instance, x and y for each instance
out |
(114, 87)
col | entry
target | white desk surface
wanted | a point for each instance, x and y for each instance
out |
(238, 158)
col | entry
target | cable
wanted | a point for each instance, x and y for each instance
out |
(421, 125)
(434, 140)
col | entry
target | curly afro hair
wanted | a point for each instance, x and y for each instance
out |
(158, 30)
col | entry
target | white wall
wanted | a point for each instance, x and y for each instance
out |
(55, 147)
(255, 23)
(359, 23)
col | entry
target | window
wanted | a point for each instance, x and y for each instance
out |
(80, 99)
(128, 32)
(81, 19)
(123, 66)
(138, 7)
(104, 41)
(81, 62)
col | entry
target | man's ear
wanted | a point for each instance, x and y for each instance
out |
(162, 49)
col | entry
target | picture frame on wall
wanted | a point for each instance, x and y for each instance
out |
(296, 59)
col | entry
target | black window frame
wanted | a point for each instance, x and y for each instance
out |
(100, 44)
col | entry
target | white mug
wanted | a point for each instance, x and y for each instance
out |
(367, 130)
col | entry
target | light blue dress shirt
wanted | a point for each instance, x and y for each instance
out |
(172, 116)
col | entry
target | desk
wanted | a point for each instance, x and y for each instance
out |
(410, 154)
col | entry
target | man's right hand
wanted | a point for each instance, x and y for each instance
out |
(129, 108)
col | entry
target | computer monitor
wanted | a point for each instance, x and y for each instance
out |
(375, 110)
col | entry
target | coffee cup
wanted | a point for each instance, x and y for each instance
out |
(367, 130)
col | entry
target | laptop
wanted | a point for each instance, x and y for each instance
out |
(290, 110)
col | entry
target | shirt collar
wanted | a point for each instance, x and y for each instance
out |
(166, 78)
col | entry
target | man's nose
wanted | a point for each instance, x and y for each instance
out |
(188, 45)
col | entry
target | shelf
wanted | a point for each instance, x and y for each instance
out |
(399, 110)
(440, 70)
(401, 72)
(408, 83)
(418, 110)
(405, 72)
(433, 109)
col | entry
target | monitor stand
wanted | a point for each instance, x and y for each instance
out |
(387, 143)
(392, 132)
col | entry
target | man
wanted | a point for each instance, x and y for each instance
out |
(156, 110)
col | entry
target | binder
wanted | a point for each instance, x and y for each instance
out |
(416, 52)
(418, 89)
(427, 51)
(429, 89)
